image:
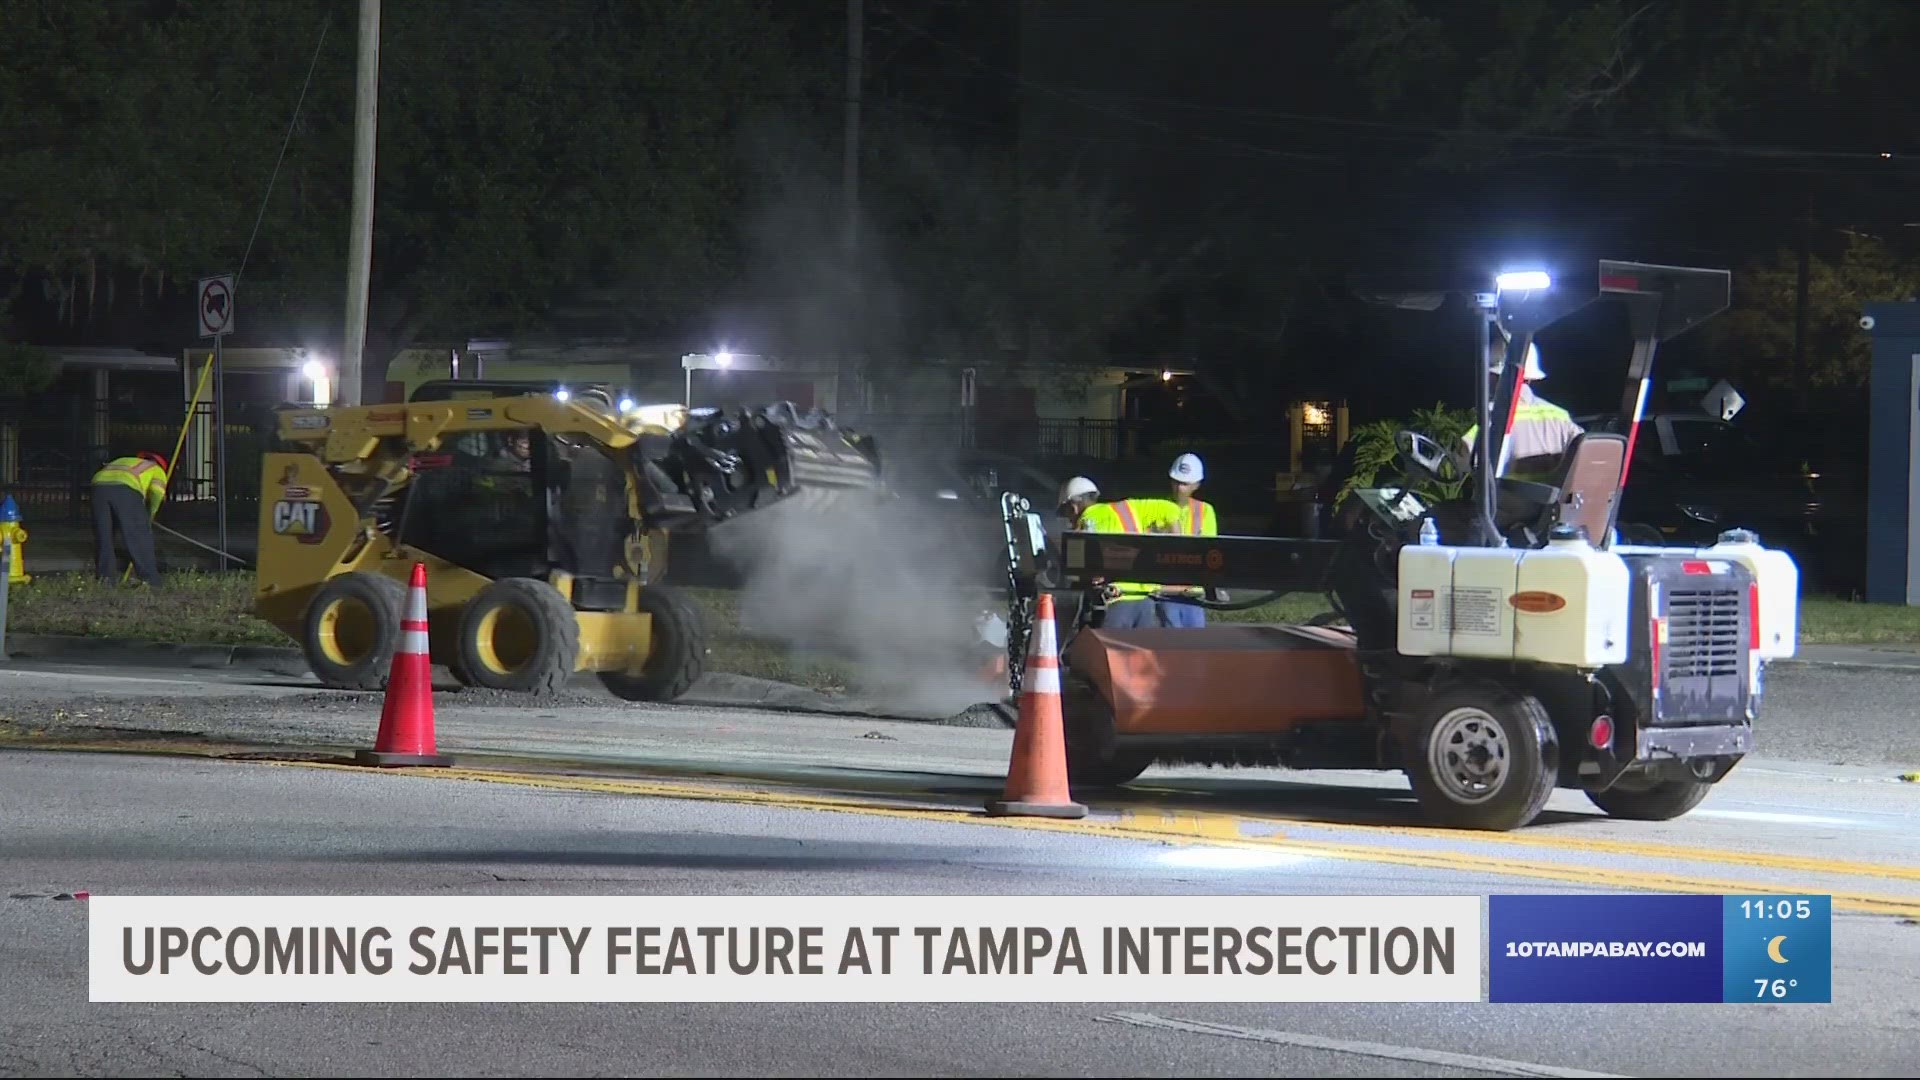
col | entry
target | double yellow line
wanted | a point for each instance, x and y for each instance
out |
(1212, 828)
(1221, 830)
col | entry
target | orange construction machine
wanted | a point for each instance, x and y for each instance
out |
(1492, 648)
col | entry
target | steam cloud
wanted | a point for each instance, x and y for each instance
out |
(887, 587)
(885, 584)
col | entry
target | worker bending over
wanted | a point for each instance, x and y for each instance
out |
(128, 491)
(1131, 604)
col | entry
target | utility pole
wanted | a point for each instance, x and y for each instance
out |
(856, 52)
(360, 253)
(856, 27)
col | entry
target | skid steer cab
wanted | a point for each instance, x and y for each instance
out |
(1492, 649)
(542, 517)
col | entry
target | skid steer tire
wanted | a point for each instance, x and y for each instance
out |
(1092, 758)
(1483, 757)
(677, 656)
(519, 634)
(352, 629)
(1645, 798)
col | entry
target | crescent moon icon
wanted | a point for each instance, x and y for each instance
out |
(1773, 949)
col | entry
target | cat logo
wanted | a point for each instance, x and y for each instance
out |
(304, 520)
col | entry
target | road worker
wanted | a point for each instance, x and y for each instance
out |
(1541, 430)
(1197, 518)
(1130, 604)
(128, 491)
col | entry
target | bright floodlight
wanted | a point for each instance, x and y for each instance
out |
(626, 405)
(1523, 281)
(561, 394)
(1166, 376)
(314, 369)
(724, 359)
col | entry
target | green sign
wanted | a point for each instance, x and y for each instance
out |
(1681, 386)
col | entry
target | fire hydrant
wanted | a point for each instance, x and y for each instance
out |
(11, 529)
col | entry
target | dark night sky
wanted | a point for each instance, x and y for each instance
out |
(1223, 120)
(1231, 123)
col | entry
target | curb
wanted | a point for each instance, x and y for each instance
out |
(1860, 664)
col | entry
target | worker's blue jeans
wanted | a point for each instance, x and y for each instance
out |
(1137, 614)
(1131, 615)
(1181, 616)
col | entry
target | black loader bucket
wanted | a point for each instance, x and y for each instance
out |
(726, 462)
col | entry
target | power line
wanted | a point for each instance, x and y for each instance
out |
(292, 121)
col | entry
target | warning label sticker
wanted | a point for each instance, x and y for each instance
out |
(1426, 610)
(1476, 610)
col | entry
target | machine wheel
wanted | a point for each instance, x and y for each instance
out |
(1484, 757)
(519, 634)
(352, 630)
(678, 653)
(1644, 797)
(1092, 757)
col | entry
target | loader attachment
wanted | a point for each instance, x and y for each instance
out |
(722, 463)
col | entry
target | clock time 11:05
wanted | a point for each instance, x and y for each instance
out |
(1776, 909)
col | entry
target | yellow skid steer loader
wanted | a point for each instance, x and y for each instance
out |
(541, 516)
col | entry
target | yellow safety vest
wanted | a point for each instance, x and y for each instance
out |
(1198, 519)
(1132, 516)
(143, 476)
(1534, 411)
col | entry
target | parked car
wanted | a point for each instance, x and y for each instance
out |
(1693, 476)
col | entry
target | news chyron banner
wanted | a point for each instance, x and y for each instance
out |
(1538, 948)
(786, 948)
(1638, 948)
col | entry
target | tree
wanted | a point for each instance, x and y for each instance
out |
(1603, 76)
(1375, 450)
(1757, 334)
(530, 156)
(133, 143)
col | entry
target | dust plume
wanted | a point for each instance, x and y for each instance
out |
(894, 587)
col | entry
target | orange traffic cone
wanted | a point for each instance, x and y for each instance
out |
(406, 720)
(1037, 775)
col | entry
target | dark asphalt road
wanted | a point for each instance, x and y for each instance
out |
(124, 824)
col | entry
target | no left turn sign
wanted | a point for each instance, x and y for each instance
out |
(216, 305)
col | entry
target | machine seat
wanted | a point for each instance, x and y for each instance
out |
(1580, 491)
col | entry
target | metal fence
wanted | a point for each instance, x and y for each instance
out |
(48, 458)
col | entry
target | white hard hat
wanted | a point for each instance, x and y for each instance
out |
(1533, 369)
(1077, 487)
(1187, 469)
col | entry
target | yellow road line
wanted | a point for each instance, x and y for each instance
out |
(1198, 826)
(1176, 827)
(1640, 849)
